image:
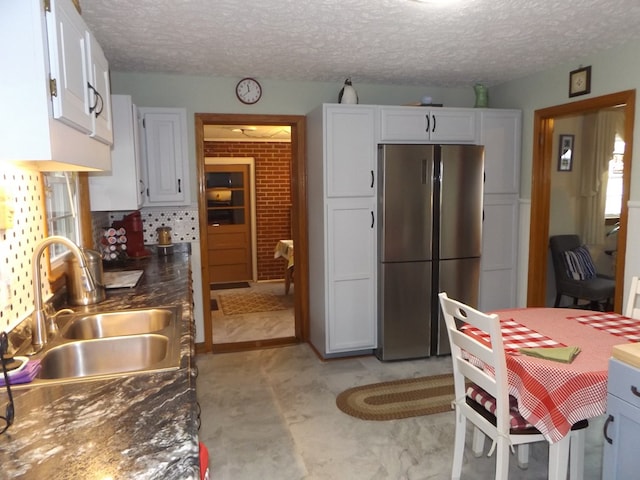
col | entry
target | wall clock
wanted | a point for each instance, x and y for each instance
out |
(248, 91)
(580, 82)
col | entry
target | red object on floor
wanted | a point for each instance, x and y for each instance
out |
(204, 462)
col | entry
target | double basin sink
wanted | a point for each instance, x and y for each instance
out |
(106, 344)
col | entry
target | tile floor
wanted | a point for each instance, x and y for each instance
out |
(271, 414)
(254, 326)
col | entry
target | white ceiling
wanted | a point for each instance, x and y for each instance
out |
(398, 42)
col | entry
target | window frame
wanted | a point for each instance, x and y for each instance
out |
(67, 199)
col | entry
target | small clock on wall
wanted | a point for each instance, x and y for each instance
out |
(248, 91)
(580, 81)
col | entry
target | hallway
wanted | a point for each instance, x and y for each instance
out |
(261, 325)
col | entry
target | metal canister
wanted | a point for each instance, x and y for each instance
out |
(164, 235)
(77, 294)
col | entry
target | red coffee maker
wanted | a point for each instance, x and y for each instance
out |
(132, 223)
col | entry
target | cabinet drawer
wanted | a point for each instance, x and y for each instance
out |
(624, 382)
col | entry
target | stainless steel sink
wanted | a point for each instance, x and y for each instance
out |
(106, 356)
(126, 322)
(99, 345)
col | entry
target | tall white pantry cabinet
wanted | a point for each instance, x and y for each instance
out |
(342, 144)
(341, 156)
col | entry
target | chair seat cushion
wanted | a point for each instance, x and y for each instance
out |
(488, 402)
(579, 263)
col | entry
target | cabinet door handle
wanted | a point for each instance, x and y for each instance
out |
(179, 186)
(98, 99)
(434, 124)
(635, 391)
(372, 219)
(606, 428)
(372, 178)
(427, 117)
(99, 110)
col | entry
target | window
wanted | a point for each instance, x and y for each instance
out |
(61, 194)
(613, 204)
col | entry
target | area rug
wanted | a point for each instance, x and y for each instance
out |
(250, 302)
(398, 399)
(229, 285)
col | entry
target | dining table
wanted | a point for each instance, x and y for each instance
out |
(552, 396)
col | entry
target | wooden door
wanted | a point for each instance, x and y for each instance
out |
(228, 198)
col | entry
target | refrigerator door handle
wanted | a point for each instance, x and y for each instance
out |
(372, 178)
(372, 219)
(427, 117)
(434, 123)
(424, 171)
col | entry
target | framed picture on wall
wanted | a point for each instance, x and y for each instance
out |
(565, 153)
(580, 81)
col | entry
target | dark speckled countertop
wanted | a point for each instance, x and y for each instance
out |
(141, 426)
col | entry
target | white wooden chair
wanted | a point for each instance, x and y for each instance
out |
(489, 410)
(633, 308)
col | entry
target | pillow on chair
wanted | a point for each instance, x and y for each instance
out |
(579, 263)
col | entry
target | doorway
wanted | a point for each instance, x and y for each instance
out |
(543, 162)
(298, 223)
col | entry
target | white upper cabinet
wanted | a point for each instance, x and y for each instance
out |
(46, 51)
(68, 63)
(500, 133)
(166, 156)
(350, 152)
(123, 187)
(427, 125)
(99, 93)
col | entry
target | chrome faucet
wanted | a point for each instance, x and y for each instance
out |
(39, 317)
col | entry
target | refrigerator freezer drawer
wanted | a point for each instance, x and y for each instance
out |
(404, 310)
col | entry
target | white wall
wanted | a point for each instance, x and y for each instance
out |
(217, 95)
(612, 71)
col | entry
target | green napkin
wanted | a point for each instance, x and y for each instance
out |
(557, 354)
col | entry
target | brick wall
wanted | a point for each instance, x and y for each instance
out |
(273, 196)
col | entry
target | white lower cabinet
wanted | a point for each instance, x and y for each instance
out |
(498, 263)
(351, 277)
(622, 425)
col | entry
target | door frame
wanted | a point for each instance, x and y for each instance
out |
(541, 189)
(298, 220)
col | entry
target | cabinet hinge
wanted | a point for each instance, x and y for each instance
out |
(53, 87)
(47, 5)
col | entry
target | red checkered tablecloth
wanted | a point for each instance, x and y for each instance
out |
(514, 336)
(613, 323)
(553, 396)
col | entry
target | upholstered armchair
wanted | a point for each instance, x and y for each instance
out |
(576, 276)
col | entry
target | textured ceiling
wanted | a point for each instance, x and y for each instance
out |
(399, 42)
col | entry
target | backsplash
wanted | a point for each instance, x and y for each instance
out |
(23, 188)
(182, 220)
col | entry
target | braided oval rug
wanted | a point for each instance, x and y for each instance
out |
(398, 399)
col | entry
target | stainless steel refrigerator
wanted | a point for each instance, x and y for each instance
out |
(429, 241)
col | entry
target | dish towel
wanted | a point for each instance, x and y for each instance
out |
(557, 354)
